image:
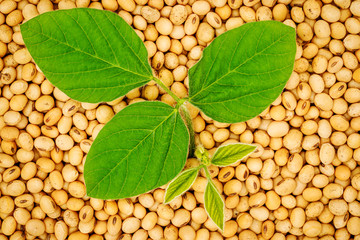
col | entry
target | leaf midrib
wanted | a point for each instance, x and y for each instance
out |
(234, 70)
(240, 97)
(135, 147)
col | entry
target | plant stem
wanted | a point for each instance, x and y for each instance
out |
(208, 176)
(188, 122)
(185, 113)
(166, 89)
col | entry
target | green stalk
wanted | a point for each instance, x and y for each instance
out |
(166, 89)
(188, 122)
(208, 176)
(185, 113)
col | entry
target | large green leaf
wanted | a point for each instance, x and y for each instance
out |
(229, 154)
(214, 205)
(142, 147)
(180, 184)
(243, 71)
(91, 55)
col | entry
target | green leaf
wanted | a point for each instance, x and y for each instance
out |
(142, 147)
(229, 154)
(243, 71)
(91, 55)
(180, 184)
(214, 205)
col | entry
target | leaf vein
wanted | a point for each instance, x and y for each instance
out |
(132, 150)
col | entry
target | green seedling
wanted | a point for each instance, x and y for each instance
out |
(94, 56)
(223, 156)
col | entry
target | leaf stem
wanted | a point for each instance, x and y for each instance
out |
(185, 113)
(208, 176)
(188, 122)
(166, 89)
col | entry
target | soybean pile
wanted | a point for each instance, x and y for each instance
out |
(303, 181)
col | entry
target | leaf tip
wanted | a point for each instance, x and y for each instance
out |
(254, 147)
(221, 227)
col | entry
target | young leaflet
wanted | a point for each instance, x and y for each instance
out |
(95, 56)
(181, 184)
(214, 205)
(224, 155)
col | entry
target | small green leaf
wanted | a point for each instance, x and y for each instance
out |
(180, 184)
(243, 71)
(214, 205)
(229, 154)
(91, 55)
(142, 147)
